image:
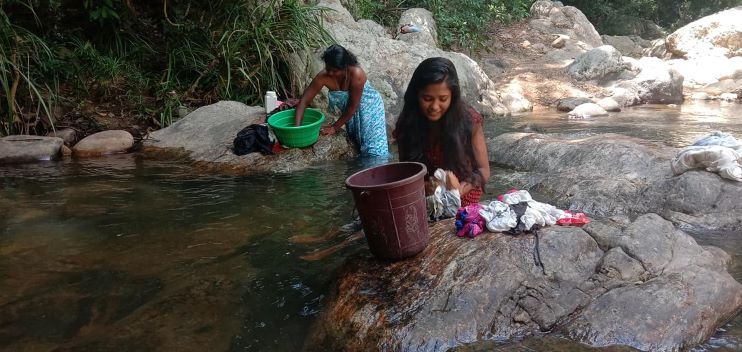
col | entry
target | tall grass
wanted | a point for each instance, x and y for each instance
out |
(26, 97)
(150, 56)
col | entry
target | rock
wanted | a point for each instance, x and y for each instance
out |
(728, 97)
(569, 104)
(206, 137)
(623, 44)
(623, 25)
(539, 47)
(460, 291)
(68, 135)
(720, 87)
(656, 83)
(390, 63)
(658, 49)
(375, 28)
(717, 35)
(611, 174)
(601, 63)
(66, 151)
(103, 143)
(525, 44)
(559, 41)
(552, 17)
(587, 110)
(700, 96)
(18, 149)
(609, 104)
(513, 99)
(422, 19)
(707, 70)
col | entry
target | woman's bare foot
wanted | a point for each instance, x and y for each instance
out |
(318, 255)
(305, 239)
(452, 182)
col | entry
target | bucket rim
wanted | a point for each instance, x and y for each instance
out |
(423, 171)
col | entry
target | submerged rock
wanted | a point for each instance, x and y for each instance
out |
(206, 137)
(599, 285)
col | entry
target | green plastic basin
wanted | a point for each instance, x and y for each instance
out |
(282, 124)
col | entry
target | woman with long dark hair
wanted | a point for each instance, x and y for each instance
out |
(437, 128)
(359, 105)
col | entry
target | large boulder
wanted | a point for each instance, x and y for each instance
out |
(656, 83)
(26, 149)
(601, 63)
(705, 71)
(553, 17)
(104, 143)
(390, 63)
(599, 285)
(629, 25)
(719, 34)
(423, 20)
(206, 137)
(612, 174)
(624, 44)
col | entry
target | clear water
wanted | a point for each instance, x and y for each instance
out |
(126, 253)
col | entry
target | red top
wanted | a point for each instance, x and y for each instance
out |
(434, 156)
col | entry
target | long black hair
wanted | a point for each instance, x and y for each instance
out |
(338, 57)
(412, 128)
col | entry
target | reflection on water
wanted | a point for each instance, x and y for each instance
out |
(129, 254)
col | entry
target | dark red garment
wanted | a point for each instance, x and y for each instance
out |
(434, 156)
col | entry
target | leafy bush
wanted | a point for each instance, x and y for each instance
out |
(152, 55)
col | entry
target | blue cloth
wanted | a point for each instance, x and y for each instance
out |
(367, 127)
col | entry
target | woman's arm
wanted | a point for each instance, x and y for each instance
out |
(309, 93)
(480, 157)
(357, 81)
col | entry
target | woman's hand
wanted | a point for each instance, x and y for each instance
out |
(328, 130)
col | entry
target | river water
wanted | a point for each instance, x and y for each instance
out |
(126, 253)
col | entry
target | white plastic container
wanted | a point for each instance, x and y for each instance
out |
(271, 101)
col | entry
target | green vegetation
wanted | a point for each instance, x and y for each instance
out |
(145, 57)
(462, 24)
(606, 15)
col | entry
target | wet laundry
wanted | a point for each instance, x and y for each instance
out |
(254, 138)
(713, 158)
(443, 203)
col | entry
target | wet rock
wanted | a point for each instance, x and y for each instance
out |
(66, 151)
(206, 137)
(422, 19)
(569, 104)
(609, 104)
(553, 17)
(27, 149)
(601, 63)
(390, 63)
(459, 291)
(587, 110)
(68, 135)
(104, 143)
(700, 96)
(612, 174)
(716, 35)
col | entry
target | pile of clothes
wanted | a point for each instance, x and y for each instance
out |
(514, 212)
(717, 152)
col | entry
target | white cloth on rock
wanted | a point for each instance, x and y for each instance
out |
(714, 158)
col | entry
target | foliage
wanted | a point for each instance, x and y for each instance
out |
(670, 14)
(461, 23)
(24, 58)
(150, 55)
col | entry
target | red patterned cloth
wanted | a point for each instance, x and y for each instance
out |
(434, 156)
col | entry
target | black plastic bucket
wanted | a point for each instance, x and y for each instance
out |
(391, 203)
